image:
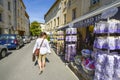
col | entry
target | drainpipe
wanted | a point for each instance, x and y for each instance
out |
(15, 13)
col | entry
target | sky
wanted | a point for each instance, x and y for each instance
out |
(36, 9)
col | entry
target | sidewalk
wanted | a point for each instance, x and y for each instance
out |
(56, 69)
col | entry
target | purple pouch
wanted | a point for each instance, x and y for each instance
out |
(118, 27)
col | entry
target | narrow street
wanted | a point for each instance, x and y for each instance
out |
(19, 66)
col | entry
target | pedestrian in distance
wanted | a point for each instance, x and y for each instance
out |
(44, 49)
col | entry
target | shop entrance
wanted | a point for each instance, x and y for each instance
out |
(21, 33)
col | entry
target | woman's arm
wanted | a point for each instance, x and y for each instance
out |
(35, 46)
(48, 46)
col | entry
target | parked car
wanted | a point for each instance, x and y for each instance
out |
(26, 39)
(11, 41)
(3, 51)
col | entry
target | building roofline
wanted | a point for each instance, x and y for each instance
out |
(51, 8)
(41, 23)
(23, 4)
(26, 14)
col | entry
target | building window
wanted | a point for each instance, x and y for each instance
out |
(9, 5)
(48, 25)
(9, 20)
(69, 3)
(18, 13)
(51, 24)
(21, 8)
(65, 4)
(74, 14)
(54, 22)
(94, 2)
(64, 18)
(58, 20)
(0, 17)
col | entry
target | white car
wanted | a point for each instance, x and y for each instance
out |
(26, 39)
(3, 51)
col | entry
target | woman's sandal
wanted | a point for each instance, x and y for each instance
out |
(41, 72)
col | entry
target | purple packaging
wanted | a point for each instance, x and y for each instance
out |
(111, 43)
(73, 49)
(117, 43)
(97, 28)
(74, 30)
(70, 52)
(95, 43)
(67, 31)
(103, 27)
(105, 43)
(98, 67)
(101, 43)
(68, 38)
(109, 66)
(117, 61)
(117, 74)
(112, 27)
(101, 57)
(117, 67)
(118, 27)
(71, 31)
(74, 38)
(97, 76)
(67, 55)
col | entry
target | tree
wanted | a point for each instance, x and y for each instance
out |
(48, 38)
(35, 28)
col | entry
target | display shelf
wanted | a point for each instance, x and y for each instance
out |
(107, 50)
(116, 50)
(70, 34)
(107, 37)
(106, 34)
(70, 44)
(60, 42)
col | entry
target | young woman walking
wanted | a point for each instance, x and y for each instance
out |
(43, 44)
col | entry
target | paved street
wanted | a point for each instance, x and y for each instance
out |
(19, 66)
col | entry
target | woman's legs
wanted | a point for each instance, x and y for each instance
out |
(43, 61)
(40, 62)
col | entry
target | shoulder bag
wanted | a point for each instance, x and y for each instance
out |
(36, 53)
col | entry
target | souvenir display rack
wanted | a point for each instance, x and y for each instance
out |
(70, 44)
(60, 42)
(107, 50)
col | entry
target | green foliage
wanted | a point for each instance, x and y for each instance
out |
(48, 38)
(35, 28)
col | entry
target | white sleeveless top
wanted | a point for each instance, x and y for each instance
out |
(45, 48)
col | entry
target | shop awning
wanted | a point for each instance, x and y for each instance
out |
(94, 16)
(63, 28)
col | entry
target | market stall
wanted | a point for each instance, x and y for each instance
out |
(70, 44)
(60, 42)
(107, 47)
(92, 45)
